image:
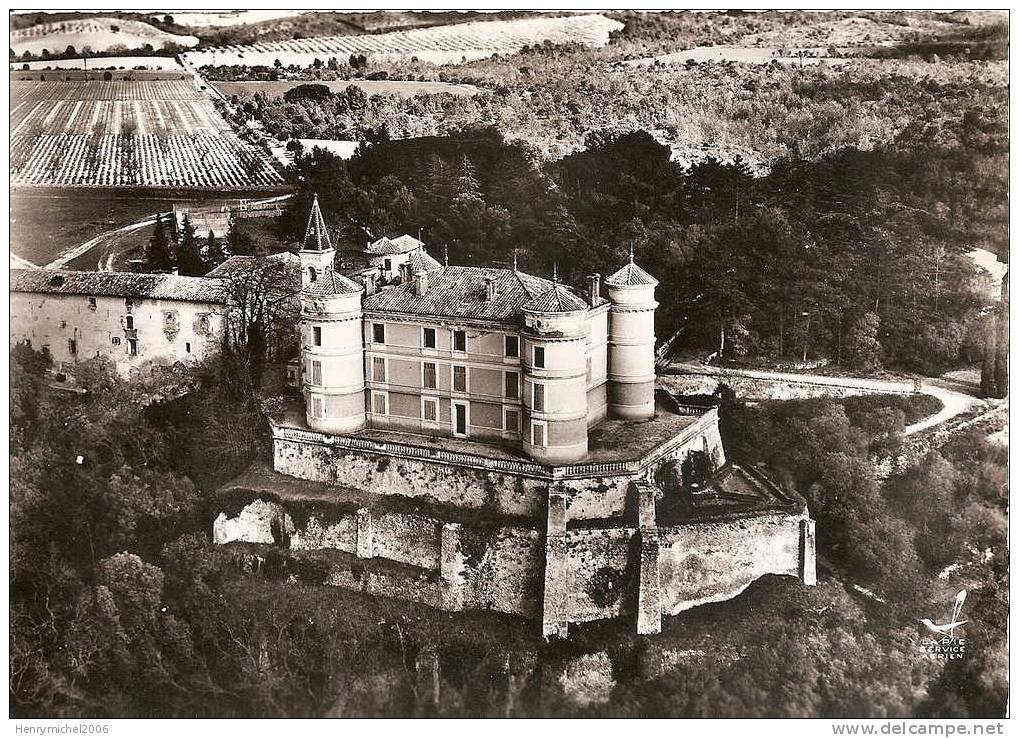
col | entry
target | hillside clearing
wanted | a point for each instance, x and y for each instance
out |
(99, 34)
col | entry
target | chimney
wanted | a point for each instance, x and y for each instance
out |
(594, 288)
(489, 288)
(174, 271)
(368, 279)
(420, 283)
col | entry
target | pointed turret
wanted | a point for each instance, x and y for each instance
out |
(331, 344)
(317, 252)
(316, 237)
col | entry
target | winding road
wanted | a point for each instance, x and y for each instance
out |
(954, 402)
(107, 246)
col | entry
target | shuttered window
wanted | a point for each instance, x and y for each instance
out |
(459, 379)
(539, 397)
(512, 389)
(378, 369)
(428, 376)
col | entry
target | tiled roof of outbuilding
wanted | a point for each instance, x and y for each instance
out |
(421, 261)
(120, 284)
(387, 246)
(460, 292)
(290, 261)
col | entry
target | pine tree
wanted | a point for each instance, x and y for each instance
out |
(214, 254)
(189, 255)
(159, 254)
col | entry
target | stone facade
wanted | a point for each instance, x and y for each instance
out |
(132, 331)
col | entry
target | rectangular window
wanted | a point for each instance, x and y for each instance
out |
(588, 368)
(187, 346)
(513, 346)
(132, 347)
(429, 376)
(129, 322)
(378, 332)
(316, 407)
(428, 338)
(512, 388)
(539, 398)
(72, 346)
(459, 340)
(378, 369)
(430, 409)
(539, 357)
(380, 403)
(511, 420)
(115, 341)
(459, 379)
(316, 335)
(91, 303)
(316, 372)
(538, 428)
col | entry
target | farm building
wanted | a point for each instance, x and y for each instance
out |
(135, 320)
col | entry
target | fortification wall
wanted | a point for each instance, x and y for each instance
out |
(600, 573)
(600, 493)
(710, 562)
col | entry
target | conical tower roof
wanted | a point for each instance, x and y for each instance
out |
(316, 237)
(630, 275)
(559, 299)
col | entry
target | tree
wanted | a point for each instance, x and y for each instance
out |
(863, 349)
(159, 254)
(264, 316)
(214, 254)
(188, 253)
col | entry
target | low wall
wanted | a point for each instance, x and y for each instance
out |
(759, 389)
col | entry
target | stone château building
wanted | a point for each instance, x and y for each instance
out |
(472, 352)
(473, 438)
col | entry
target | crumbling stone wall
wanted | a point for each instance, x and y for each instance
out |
(503, 570)
(601, 568)
(710, 562)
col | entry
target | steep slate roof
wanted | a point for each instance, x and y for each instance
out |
(459, 292)
(388, 246)
(331, 283)
(630, 275)
(316, 237)
(120, 284)
(559, 299)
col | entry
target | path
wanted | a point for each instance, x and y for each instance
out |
(109, 245)
(954, 402)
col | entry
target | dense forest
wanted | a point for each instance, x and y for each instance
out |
(122, 606)
(858, 256)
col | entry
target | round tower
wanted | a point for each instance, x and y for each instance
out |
(332, 352)
(631, 371)
(555, 377)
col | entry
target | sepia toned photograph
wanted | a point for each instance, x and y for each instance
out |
(551, 363)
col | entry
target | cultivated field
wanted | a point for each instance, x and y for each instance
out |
(103, 62)
(246, 90)
(227, 18)
(99, 34)
(441, 45)
(153, 133)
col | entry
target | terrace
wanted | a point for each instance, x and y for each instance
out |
(614, 446)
